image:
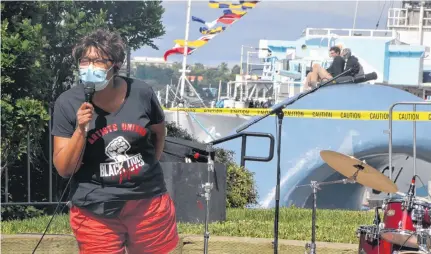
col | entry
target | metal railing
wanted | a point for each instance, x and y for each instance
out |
(414, 104)
(29, 201)
(334, 32)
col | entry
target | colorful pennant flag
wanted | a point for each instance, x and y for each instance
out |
(248, 4)
(193, 44)
(228, 5)
(222, 5)
(207, 24)
(231, 14)
(177, 50)
(229, 19)
(235, 12)
(216, 30)
(207, 37)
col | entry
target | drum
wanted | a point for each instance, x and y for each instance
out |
(370, 242)
(399, 225)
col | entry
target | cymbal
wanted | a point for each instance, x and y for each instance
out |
(367, 175)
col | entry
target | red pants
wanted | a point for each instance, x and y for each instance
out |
(143, 226)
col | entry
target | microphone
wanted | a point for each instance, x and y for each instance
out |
(412, 187)
(376, 220)
(356, 79)
(89, 89)
(410, 194)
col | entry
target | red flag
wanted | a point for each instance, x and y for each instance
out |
(178, 50)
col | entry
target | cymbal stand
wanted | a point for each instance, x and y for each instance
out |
(316, 186)
(423, 240)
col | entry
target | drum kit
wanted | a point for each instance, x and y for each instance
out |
(406, 225)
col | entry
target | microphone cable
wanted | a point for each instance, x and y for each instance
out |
(61, 198)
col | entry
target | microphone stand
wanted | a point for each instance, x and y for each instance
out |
(208, 186)
(280, 115)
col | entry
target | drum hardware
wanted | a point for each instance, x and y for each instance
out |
(207, 187)
(316, 186)
(423, 237)
(377, 219)
(417, 216)
(372, 233)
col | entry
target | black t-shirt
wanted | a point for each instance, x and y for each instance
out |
(337, 66)
(119, 162)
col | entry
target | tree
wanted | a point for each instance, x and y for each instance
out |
(223, 68)
(138, 22)
(198, 69)
(196, 82)
(236, 69)
(22, 67)
(27, 116)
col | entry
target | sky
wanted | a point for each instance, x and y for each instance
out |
(272, 20)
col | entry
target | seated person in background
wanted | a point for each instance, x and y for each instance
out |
(352, 62)
(251, 104)
(319, 74)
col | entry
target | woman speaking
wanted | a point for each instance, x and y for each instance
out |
(111, 147)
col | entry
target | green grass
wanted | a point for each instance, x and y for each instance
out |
(295, 224)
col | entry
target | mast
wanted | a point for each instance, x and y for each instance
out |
(186, 39)
(421, 41)
(356, 14)
(421, 23)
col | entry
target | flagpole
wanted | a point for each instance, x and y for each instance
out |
(186, 38)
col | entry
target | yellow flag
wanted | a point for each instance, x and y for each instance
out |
(192, 44)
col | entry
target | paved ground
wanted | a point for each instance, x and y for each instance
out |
(192, 244)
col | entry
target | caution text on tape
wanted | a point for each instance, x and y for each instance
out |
(326, 114)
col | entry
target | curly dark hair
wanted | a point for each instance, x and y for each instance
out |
(335, 49)
(108, 42)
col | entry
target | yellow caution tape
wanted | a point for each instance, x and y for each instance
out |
(326, 114)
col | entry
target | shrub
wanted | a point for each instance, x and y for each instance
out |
(178, 132)
(241, 189)
(19, 212)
